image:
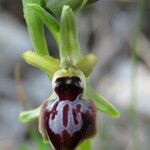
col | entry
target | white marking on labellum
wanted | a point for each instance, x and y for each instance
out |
(58, 124)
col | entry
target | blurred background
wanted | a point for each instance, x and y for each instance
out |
(108, 29)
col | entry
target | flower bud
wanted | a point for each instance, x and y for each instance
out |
(56, 5)
(69, 119)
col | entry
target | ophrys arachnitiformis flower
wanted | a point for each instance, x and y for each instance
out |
(67, 119)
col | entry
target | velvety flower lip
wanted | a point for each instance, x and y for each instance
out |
(67, 120)
(67, 123)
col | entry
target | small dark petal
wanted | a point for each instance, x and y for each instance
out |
(74, 121)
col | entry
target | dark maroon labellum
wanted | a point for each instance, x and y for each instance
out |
(68, 120)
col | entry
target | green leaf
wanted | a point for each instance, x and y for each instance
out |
(30, 115)
(101, 103)
(46, 63)
(86, 145)
(35, 28)
(69, 43)
(47, 19)
(86, 64)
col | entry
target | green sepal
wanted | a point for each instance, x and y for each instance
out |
(46, 63)
(69, 43)
(101, 103)
(51, 23)
(35, 27)
(86, 64)
(30, 115)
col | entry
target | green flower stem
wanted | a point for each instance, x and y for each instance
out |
(69, 43)
(48, 20)
(30, 115)
(35, 27)
(46, 63)
(101, 103)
